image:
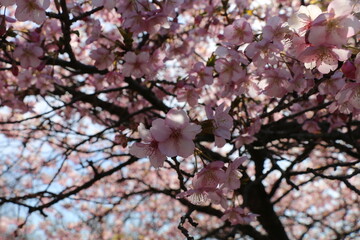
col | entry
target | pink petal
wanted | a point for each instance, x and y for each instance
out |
(327, 64)
(37, 51)
(354, 98)
(223, 132)
(137, 73)
(127, 70)
(325, 68)
(233, 182)
(185, 147)
(313, 11)
(159, 130)
(176, 119)
(209, 112)
(190, 131)
(352, 24)
(317, 35)
(216, 164)
(130, 57)
(139, 150)
(46, 4)
(342, 54)
(219, 141)
(251, 50)
(237, 162)
(144, 57)
(144, 133)
(7, 3)
(169, 147)
(308, 55)
(157, 159)
(340, 7)
(185, 194)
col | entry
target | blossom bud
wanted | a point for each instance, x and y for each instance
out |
(349, 69)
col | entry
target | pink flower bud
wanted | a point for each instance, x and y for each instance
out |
(14, 70)
(349, 69)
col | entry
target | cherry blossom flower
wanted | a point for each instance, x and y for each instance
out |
(201, 75)
(127, 8)
(335, 26)
(301, 80)
(210, 176)
(45, 83)
(231, 54)
(196, 196)
(239, 215)
(296, 108)
(95, 31)
(157, 61)
(206, 183)
(344, 108)
(244, 139)
(232, 174)
(262, 53)
(201, 194)
(222, 123)
(218, 197)
(276, 82)
(238, 32)
(103, 58)
(302, 20)
(145, 21)
(298, 45)
(170, 5)
(189, 95)
(148, 148)
(324, 58)
(333, 85)
(349, 98)
(229, 70)
(311, 126)
(33, 10)
(136, 65)
(275, 31)
(175, 134)
(249, 87)
(26, 79)
(28, 54)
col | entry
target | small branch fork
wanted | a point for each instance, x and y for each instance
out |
(182, 222)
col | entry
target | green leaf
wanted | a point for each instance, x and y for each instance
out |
(211, 61)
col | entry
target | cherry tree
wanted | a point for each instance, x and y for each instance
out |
(179, 119)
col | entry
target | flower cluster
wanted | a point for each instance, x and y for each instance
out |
(249, 84)
(222, 123)
(214, 182)
(325, 34)
(33, 10)
(172, 136)
(238, 215)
